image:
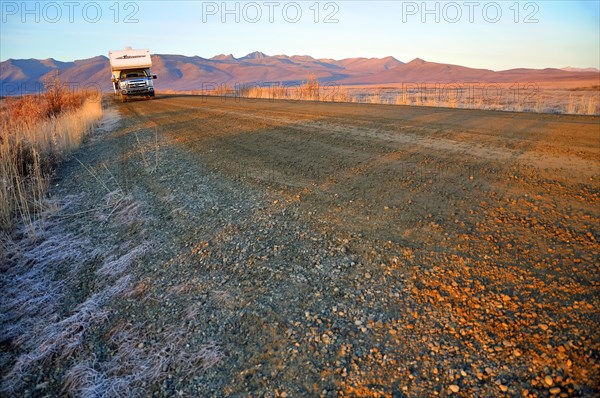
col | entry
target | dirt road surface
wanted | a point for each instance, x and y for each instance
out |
(280, 248)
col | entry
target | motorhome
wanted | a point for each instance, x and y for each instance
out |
(131, 73)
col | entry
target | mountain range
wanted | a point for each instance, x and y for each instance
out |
(179, 72)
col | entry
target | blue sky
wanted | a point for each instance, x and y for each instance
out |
(485, 34)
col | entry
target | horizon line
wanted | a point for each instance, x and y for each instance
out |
(596, 69)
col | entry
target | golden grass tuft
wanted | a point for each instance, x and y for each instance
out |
(308, 90)
(36, 132)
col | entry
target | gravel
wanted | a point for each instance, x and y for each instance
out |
(238, 285)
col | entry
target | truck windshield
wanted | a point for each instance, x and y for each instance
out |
(134, 73)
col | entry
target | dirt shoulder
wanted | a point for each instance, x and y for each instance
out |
(280, 248)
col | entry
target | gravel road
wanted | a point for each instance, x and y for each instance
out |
(235, 247)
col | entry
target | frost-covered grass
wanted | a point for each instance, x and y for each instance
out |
(42, 334)
(139, 360)
(35, 284)
(31, 320)
(114, 265)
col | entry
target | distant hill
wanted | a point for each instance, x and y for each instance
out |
(572, 69)
(179, 72)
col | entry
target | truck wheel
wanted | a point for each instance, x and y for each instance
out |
(152, 95)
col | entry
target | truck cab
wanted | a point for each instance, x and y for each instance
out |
(131, 73)
(131, 82)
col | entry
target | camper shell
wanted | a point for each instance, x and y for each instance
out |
(131, 73)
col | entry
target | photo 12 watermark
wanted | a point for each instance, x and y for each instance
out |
(92, 91)
(473, 95)
(469, 11)
(270, 12)
(69, 11)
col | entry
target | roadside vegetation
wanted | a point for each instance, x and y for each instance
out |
(36, 133)
(501, 97)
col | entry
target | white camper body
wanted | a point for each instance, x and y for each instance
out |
(131, 72)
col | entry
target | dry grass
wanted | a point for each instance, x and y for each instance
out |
(583, 105)
(114, 265)
(36, 132)
(308, 90)
(221, 90)
(30, 320)
(500, 97)
(31, 323)
(135, 364)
